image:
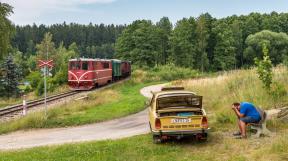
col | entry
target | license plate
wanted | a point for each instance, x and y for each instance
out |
(180, 121)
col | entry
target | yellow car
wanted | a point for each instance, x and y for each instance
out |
(175, 113)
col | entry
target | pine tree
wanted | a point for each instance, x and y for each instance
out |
(10, 77)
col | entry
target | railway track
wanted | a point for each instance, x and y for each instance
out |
(30, 104)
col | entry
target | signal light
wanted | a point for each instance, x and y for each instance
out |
(204, 122)
(157, 124)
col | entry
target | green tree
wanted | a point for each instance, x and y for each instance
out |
(165, 29)
(202, 43)
(224, 52)
(277, 43)
(46, 46)
(11, 78)
(139, 43)
(21, 61)
(264, 68)
(238, 42)
(6, 28)
(183, 40)
(61, 64)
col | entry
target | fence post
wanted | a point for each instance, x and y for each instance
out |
(24, 106)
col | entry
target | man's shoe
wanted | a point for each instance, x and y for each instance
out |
(237, 133)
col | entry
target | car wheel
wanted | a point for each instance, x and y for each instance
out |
(204, 137)
(157, 139)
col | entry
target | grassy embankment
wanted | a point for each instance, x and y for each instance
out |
(218, 94)
(30, 96)
(117, 101)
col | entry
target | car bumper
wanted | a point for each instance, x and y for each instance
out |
(180, 132)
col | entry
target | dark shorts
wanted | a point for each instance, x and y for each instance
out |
(248, 119)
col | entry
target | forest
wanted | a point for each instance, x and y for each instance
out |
(202, 43)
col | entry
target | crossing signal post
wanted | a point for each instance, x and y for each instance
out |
(44, 65)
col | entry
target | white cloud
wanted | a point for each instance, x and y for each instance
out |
(27, 11)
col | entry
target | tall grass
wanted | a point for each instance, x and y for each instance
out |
(236, 86)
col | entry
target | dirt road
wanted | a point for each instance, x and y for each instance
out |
(119, 128)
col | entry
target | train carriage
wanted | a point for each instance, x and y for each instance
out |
(116, 69)
(125, 68)
(84, 74)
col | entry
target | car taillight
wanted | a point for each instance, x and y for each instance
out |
(157, 124)
(204, 122)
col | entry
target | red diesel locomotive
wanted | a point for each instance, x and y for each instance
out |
(85, 74)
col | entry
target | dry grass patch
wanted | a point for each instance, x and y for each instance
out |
(240, 85)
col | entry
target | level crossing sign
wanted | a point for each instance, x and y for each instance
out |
(42, 63)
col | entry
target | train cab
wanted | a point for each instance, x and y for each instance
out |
(85, 74)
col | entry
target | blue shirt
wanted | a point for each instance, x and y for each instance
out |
(248, 109)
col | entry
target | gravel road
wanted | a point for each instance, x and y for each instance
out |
(119, 128)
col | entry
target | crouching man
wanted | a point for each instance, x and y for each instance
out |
(246, 113)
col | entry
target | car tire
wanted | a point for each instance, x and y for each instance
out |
(157, 139)
(204, 138)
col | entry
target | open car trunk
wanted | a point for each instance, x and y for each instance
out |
(181, 112)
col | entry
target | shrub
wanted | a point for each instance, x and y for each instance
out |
(170, 72)
(264, 68)
(34, 79)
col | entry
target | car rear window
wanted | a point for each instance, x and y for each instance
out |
(179, 101)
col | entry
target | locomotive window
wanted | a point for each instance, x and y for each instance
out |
(105, 65)
(74, 65)
(84, 65)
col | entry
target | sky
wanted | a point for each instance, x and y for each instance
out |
(126, 11)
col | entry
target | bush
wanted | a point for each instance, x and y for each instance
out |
(264, 68)
(170, 72)
(51, 86)
(34, 79)
(60, 77)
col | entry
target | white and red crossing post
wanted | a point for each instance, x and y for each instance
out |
(44, 65)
